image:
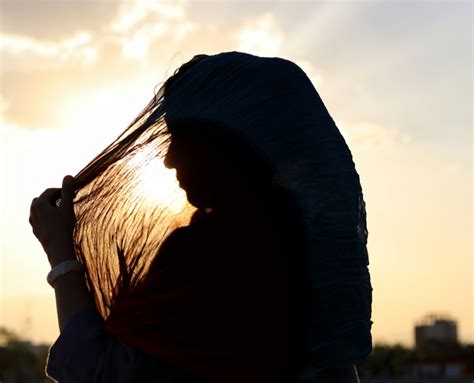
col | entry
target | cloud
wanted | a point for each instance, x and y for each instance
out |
(142, 22)
(132, 13)
(365, 133)
(184, 29)
(55, 20)
(136, 45)
(308, 67)
(77, 47)
(260, 35)
(135, 26)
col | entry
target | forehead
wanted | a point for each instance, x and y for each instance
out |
(195, 133)
(201, 134)
(191, 138)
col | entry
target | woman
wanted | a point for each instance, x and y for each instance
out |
(267, 283)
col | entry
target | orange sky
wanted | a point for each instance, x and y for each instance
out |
(396, 79)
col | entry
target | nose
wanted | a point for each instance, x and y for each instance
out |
(168, 161)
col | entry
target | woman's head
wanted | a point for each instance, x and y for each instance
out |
(216, 168)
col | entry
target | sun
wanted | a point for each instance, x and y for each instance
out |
(157, 184)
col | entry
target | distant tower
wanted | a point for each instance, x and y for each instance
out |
(436, 333)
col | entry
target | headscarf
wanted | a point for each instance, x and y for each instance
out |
(270, 103)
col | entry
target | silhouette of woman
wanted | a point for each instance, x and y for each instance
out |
(261, 277)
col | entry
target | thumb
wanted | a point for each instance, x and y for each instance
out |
(67, 191)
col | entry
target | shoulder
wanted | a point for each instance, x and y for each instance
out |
(176, 242)
(184, 241)
(199, 216)
(199, 223)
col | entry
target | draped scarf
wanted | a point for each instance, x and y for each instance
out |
(136, 243)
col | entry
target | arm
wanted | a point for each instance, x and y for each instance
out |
(84, 352)
(53, 226)
(72, 296)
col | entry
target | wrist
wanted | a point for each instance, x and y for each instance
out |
(59, 254)
(62, 269)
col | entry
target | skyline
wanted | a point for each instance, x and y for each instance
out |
(27, 327)
(395, 77)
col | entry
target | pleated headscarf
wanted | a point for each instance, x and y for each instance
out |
(272, 105)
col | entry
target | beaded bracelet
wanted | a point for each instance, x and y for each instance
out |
(63, 268)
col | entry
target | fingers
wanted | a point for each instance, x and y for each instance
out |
(53, 223)
(68, 183)
(44, 201)
(50, 195)
(49, 198)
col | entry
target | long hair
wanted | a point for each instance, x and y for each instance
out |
(117, 258)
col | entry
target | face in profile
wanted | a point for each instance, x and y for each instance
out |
(215, 173)
(199, 170)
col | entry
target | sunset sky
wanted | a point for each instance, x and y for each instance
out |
(395, 76)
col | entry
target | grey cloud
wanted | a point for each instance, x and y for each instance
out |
(54, 20)
(389, 65)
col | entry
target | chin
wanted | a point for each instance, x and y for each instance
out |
(197, 201)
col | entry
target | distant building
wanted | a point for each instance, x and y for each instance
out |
(435, 333)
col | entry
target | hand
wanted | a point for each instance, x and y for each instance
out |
(53, 225)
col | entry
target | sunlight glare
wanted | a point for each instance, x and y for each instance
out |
(158, 184)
